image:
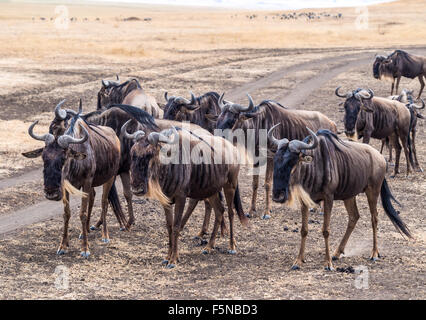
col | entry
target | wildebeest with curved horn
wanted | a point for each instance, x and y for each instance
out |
(400, 64)
(202, 110)
(83, 157)
(115, 117)
(369, 117)
(174, 181)
(268, 113)
(324, 168)
(129, 92)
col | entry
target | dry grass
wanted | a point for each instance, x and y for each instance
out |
(197, 29)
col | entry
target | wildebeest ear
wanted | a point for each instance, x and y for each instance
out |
(248, 115)
(211, 117)
(33, 154)
(105, 83)
(76, 155)
(161, 105)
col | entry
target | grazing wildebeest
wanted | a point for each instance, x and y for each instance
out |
(174, 181)
(129, 92)
(328, 169)
(115, 117)
(202, 110)
(78, 160)
(369, 117)
(400, 64)
(268, 113)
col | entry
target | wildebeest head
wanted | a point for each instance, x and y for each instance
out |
(356, 101)
(288, 156)
(376, 65)
(177, 108)
(55, 154)
(145, 157)
(105, 94)
(232, 113)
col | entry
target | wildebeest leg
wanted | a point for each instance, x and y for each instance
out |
(67, 214)
(169, 224)
(85, 253)
(393, 85)
(328, 206)
(390, 147)
(372, 197)
(255, 185)
(105, 191)
(192, 203)
(413, 141)
(125, 181)
(422, 85)
(229, 196)
(403, 136)
(177, 221)
(218, 210)
(304, 233)
(397, 84)
(353, 216)
(268, 179)
(383, 144)
(398, 148)
(92, 195)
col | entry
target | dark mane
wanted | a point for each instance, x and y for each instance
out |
(333, 138)
(138, 114)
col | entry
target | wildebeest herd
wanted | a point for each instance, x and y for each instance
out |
(178, 150)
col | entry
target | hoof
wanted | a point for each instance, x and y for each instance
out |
(266, 217)
(122, 229)
(165, 262)
(205, 251)
(334, 258)
(106, 240)
(232, 252)
(60, 252)
(85, 254)
(93, 228)
(295, 267)
(170, 266)
(328, 268)
(80, 236)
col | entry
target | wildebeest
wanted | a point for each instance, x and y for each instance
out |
(406, 97)
(115, 117)
(202, 110)
(173, 182)
(268, 113)
(368, 117)
(78, 160)
(324, 168)
(129, 92)
(400, 64)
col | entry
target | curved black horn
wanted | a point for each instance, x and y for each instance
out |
(220, 101)
(239, 108)
(155, 137)
(298, 146)
(59, 113)
(279, 143)
(338, 94)
(134, 136)
(65, 140)
(48, 138)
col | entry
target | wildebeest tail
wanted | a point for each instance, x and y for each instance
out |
(393, 215)
(116, 206)
(410, 145)
(239, 207)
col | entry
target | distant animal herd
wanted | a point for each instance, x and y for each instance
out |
(306, 162)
